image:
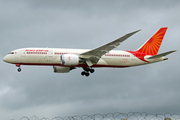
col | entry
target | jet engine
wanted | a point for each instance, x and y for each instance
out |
(69, 59)
(59, 69)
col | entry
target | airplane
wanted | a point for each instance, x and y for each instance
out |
(65, 60)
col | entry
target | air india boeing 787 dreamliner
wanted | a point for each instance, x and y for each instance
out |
(65, 60)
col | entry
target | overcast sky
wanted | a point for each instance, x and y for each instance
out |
(152, 88)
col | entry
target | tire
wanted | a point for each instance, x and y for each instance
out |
(91, 70)
(19, 69)
(82, 73)
(87, 74)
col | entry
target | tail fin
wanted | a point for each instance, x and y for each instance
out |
(151, 47)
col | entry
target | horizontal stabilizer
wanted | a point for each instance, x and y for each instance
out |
(161, 55)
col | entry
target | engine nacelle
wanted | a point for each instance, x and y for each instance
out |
(59, 69)
(69, 59)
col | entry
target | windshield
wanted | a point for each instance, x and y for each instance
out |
(11, 53)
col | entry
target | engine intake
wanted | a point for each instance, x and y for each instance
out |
(69, 59)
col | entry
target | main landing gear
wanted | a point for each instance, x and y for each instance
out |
(87, 71)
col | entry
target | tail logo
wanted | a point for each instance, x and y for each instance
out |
(151, 47)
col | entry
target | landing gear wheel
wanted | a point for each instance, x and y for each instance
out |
(19, 69)
(91, 70)
(87, 71)
(83, 73)
(87, 74)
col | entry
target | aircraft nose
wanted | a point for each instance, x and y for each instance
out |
(9, 58)
(5, 59)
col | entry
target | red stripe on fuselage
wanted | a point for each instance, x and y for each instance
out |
(80, 65)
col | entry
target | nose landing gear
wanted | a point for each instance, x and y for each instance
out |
(19, 69)
(86, 71)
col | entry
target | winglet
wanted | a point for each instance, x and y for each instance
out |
(126, 36)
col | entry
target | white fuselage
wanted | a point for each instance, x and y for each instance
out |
(51, 57)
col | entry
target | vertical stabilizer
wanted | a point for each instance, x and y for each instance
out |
(151, 47)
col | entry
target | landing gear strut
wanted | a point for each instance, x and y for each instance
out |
(86, 71)
(19, 69)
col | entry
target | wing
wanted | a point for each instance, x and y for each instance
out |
(93, 56)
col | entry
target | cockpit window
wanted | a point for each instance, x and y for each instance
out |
(11, 53)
